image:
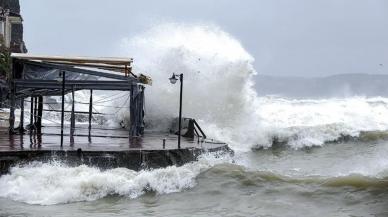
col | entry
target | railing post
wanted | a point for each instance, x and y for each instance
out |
(199, 128)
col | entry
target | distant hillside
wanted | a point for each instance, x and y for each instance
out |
(342, 85)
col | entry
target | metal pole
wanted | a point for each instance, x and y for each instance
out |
(40, 113)
(21, 125)
(31, 113)
(12, 110)
(13, 104)
(132, 111)
(90, 112)
(35, 111)
(180, 111)
(63, 106)
(39, 116)
(72, 121)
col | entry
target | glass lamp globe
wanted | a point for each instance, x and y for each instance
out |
(173, 79)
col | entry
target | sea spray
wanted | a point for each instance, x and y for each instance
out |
(218, 92)
(217, 79)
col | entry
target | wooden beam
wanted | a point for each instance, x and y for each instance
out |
(77, 59)
(75, 112)
(120, 68)
(79, 85)
(81, 71)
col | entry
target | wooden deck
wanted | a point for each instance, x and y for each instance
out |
(101, 140)
(107, 148)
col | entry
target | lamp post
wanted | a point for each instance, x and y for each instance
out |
(173, 80)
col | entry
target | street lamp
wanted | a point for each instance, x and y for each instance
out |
(173, 80)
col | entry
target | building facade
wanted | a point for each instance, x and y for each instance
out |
(11, 26)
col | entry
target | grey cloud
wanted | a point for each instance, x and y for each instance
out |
(299, 37)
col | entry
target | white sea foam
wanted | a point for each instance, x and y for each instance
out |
(53, 183)
(313, 122)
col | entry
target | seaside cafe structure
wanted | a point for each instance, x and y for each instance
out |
(35, 77)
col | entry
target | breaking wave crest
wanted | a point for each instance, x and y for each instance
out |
(55, 182)
(301, 123)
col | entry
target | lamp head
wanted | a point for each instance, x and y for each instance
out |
(59, 78)
(173, 79)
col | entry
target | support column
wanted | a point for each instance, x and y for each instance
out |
(132, 108)
(136, 110)
(90, 113)
(63, 106)
(31, 114)
(21, 123)
(12, 88)
(72, 118)
(40, 114)
(141, 111)
(35, 110)
(12, 110)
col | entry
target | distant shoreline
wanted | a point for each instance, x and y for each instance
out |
(341, 85)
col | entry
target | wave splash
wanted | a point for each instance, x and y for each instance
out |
(53, 183)
(56, 183)
(218, 79)
(219, 92)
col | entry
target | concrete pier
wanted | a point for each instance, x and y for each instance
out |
(114, 149)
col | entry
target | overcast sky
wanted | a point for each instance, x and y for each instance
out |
(286, 37)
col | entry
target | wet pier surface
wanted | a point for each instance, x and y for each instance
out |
(100, 140)
(106, 148)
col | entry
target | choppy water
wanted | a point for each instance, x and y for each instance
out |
(294, 157)
(348, 179)
(345, 173)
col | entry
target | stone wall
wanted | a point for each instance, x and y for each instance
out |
(12, 5)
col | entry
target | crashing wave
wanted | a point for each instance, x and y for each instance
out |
(56, 182)
(219, 92)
